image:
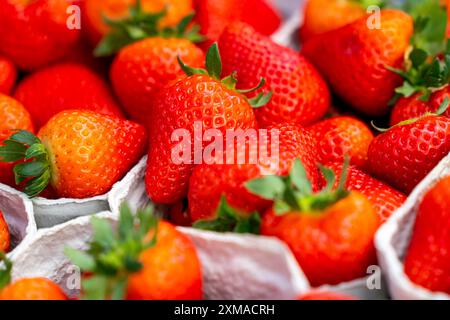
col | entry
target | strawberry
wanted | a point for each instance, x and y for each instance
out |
(144, 259)
(26, 288)
(5, 237)
(321, 16)
(80, 153)
(214, 15)
(427, 261)
(61, 87)
(325, 295)
(14, 116)
(202, 98)
(143, 68)
(8, 75)
(96, 11)
(35, 33)
(299, 93)
(340, 136)
(407, 152)
(209, 182)
(385, 199)
(354, 59)
(330, 233)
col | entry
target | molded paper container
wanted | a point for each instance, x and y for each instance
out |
(392, 241)
(18, 212)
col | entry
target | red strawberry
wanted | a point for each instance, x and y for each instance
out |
(354, 59)
(201, 99)
(8, 75)
(385, 199)
(330, 232)
(406, 153)
(325, 295)
(62, 87)
(35, 33)
(299, 93)
(80, 153)
(427, 261)
(5, 237)
(209, 182)
(214, 15)
(340, 136)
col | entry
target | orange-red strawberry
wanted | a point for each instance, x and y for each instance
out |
(14, 116)
(8, 75)
(62, 87)
(321, 16)
(95, 11)
(200, 101)
(149, 260)
(330, 233)
(214, 15)
(209, 182)
(80, 153)
(385, 199)
(300, 95)
(427, 261)
(5, 237)
(35, 33)
(354, 59)
(325, 295)
(340, 136)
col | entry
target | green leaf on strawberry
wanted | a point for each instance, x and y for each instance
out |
(5, 270)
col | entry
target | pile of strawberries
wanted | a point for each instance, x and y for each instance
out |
(80, 106)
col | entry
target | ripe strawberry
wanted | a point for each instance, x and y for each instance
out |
(340, 136)
(204, 99)
(209, 182)
(5, 238)
(35, 33)
(95, 11)
(330, 232)
(321, 16)
(385, 199)
(149, 260)
(14, 116)
(62, 87)
(299, 93)
(325, 295)
(427, 261)
(214, 15)
(27, 288)
(80, 153)
(8, 75)
(407, 152)
(354, 59)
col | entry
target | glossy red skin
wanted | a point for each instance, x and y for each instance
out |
(8, 75)
(413, 107)
(325, 295)
(210, 181)
(35, 33)
(340, 136)
(300, 95)
(332, 246)
(65, 86)
(405, 154)
(178, 106)
(32, 289)
(5, 238)
(427, 262)
(214, 15)
(353, 60)
(384, 198)
(142, 69)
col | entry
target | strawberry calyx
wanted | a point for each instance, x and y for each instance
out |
(214, 70)
(113, 254)
(5, 270)
(140, 25)
(293, 193)
(368, 3)
(228, 219)
(36, 169)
